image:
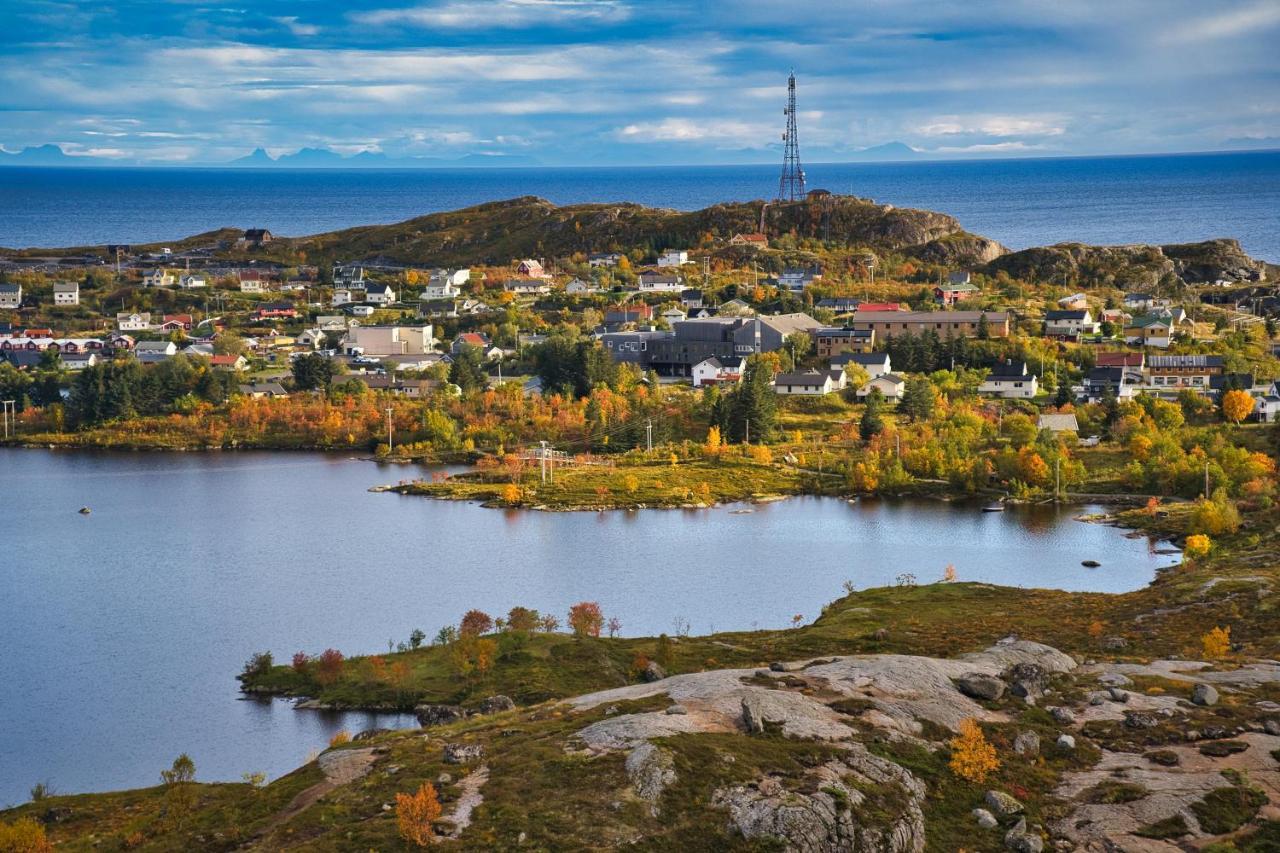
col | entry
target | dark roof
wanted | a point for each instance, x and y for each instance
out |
(1184, 361)
(1065, 315)
(1008, 369)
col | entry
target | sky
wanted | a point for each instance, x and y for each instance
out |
(591, 82)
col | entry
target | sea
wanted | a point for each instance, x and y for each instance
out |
(1020, 202)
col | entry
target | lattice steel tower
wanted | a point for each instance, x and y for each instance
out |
(791, 184)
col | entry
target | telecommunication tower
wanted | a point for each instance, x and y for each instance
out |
(791, 184)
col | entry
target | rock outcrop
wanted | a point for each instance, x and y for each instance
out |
(1138, 267)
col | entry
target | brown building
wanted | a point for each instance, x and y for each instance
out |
(954, 323)
(830, 342)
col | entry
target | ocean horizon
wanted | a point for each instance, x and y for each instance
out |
(1022, 202)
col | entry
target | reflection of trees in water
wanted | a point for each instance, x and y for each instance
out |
(1038, 520)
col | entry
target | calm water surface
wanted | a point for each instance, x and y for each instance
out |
(122, 631)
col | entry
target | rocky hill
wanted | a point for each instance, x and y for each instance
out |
(1141, 266)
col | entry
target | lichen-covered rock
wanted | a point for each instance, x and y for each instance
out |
(652, 672)
(1204, 694)
(462, 753)
(438, 715)
(1066, 742)
(495, 705)
(650, 770)
(1003, 805)
(985, 819)
(1027, 680)
(978, 685)
(1020, 839)
(1140, 720)
(1027, 743)
(836, 817)
(1062, 716)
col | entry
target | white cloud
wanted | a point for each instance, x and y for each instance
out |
(1249, 20)
(993, 125)
(293, 25)
(714, 130)
(505, 14)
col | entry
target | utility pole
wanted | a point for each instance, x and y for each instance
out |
(542, 458)
(897, 436)
(648, 434)
(388, 429)
(748, 440)
(10, 411)
(1057, 488)
(1206, 480)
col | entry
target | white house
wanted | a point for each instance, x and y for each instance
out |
(813, 383)
(1074, 302)
(673, 315)
(158, 278)
(526, 286)
(10, 295)
(655, 283)
(361, 310)
(66, 293)
(191, 282)
(445, 284)
(149, 352)
(890, 386)
(798, 278)
(874, 363)
(133, 322)
(346, 295)
(578, 287)
(380, 294)
(673, 258)
(1010, 378)
(251, 282)
(1069, 324)
(718, 371)
(313, 338)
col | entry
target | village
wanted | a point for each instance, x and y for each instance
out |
(683, 316)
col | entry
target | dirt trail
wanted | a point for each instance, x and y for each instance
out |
(340, 767)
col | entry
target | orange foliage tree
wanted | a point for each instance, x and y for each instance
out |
(586, 619)
(972, 757)
(1237, 405)
(415, 814)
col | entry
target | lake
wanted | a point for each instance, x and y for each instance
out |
(1020, 202)
(122, 630)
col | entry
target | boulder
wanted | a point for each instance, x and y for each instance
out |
(1066, 742)
(438, 715)
(1098, 697)
(1140, 720)
(653, 671)
(678, 710)
(495, 705)
(1114, 679)
(1003, 805)
(1204, 694)
(785, 666)
(985, 819)
(1062, 716)
(650, 770)
(1020, 839)
(1026, 680)
(444, 779)
(370, 733)
(462, 753)
(1115, 644)
(977, 685)
(1271, 726)
(1027, 743)
(56, 814)
(1118, 695)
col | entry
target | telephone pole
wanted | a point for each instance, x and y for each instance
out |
(10, 412)
(648, 434)
(389, 429)
(748, 439)
(542, 458)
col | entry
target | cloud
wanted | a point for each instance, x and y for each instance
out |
(993, 125)
(293, 25)
(715, 130)
(1232, 23)
(505, 14)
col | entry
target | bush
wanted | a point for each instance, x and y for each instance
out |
(1197, 545)
(972, 757)
(522, 619)
(415, 814)
(24, 836)
(1228, 809)
(300, 662)
(258, 665)
(1216, 643)
(474, 623)
(339, 738)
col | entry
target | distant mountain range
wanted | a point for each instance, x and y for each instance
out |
(323, 158)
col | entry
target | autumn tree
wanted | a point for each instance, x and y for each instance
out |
(586, 619)
(179, 793)
(1216, 643)
(1197, 545)
(713, 440)
(474, 623)
(522, 619)
(1237, 405)
(416, 814)
(972, 757)
(471, 654)
(329, 666)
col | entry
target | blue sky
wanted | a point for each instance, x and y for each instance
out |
(637, 81)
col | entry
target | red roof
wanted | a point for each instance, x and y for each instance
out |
(223, 359)
(38, 333)
(880, 306)
(472, 338)
(178, 318)
(1119, 359)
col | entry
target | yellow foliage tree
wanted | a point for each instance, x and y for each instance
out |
(415, 814)
(25, 835)
(1095, 629)
(632, 484)
(972, 757)
(511, 494)
(1237, 405)
(1197, 545)
(339, 738)
(713, 440)
(760, 453)
(1216, 643)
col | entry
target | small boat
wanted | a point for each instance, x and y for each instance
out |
(84, 510)
(994, 507)
(1090, 564)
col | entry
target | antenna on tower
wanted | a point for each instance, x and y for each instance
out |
(791, 184)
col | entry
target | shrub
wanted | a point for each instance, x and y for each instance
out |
(475, 622)
(415, 813)
(1215, 516)
(665, 652)
(300, 662)
(329, 666)
(1174, 826)
(1216, 643)
(1228, 809)
(1197, 545)
(585, 619)
(972, 757)
(339, 738)
(522, 619)
(471, 654)
(257, 665)
(511, 494)
(24, 836)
